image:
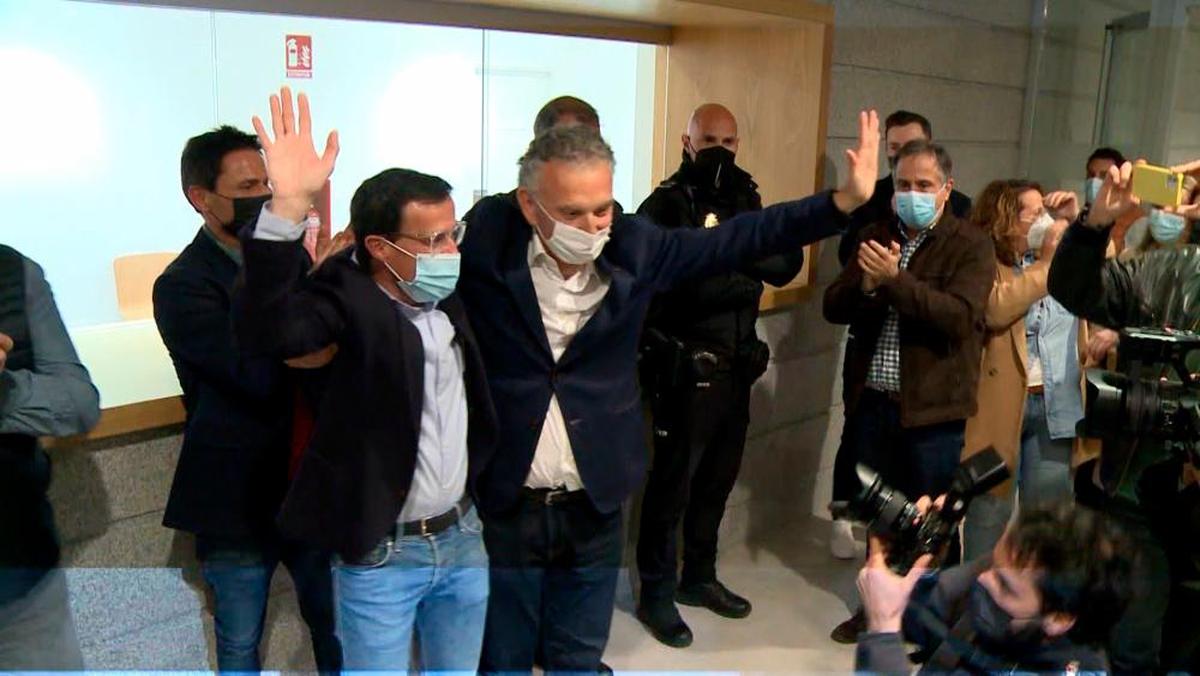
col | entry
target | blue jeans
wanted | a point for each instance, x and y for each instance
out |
(916, 461)
(1045, 467)
(1043, 478)
(239, 574)
(435, 586)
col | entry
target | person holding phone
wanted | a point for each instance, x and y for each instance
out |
(1159, 508)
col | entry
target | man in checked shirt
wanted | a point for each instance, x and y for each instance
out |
(914, 297)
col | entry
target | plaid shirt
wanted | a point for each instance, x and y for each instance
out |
(884, 374)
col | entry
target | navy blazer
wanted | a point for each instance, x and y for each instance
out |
(232, 470)
(356, 473)
(596, 378)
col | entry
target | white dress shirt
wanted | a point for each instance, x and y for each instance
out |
(566, 305)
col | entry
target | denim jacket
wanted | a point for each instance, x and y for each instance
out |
(1053, 335)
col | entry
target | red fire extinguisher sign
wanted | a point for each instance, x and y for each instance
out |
(298, 55)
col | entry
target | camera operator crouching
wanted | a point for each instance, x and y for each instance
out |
(1044, 601)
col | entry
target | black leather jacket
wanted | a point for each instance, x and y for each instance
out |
(715, 313)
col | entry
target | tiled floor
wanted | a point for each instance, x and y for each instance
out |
(799, 594)
(139, 619)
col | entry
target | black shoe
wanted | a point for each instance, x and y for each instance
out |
(714, 596)
(848, 631)
(665, 624)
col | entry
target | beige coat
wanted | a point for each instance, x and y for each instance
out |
(1003, 381)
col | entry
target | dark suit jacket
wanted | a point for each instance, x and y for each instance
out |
(596, 378)
(879, 209)
(941, 298)
(355, 475)
(232, 470)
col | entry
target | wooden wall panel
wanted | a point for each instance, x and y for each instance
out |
(775, 80)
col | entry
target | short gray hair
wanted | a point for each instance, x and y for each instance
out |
(934, 150)
(574, 145)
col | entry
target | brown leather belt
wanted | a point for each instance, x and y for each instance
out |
(1037, 389)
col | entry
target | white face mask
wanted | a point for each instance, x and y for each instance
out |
(1037, 231)
(572, 245)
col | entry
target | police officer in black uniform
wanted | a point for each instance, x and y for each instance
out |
(699, 359)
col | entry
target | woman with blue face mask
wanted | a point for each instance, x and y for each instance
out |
(1160, 229)
(1030, 387)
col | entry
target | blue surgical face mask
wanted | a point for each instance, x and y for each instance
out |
(917, 210)
(1091, 189)
(1166, 228)
(436, 277)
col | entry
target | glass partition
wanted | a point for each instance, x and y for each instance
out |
(102, 97)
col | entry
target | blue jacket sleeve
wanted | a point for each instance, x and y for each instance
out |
(685, 253)
(280, 310)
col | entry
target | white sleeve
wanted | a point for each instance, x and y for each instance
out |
(272, 228)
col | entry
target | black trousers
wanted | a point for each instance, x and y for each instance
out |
(1160, 629)
(845, 479)
(553, 576)
(700, 433)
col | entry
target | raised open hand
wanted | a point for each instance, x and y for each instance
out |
(862, 165)
(1115, 196)
(296, 172)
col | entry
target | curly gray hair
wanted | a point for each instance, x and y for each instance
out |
(574, 144)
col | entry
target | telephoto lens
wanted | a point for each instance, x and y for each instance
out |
(889, 514)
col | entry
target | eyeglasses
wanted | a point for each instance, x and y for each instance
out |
(441, 239)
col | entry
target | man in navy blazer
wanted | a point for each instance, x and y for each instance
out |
(233, 467)
(557, 287)
(404, 423)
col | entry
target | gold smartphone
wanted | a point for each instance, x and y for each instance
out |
(1157, 185)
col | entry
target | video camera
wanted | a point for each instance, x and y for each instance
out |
(911, 535)
(1139, 401)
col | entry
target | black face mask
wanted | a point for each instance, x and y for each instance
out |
(994, 626)
(712, 167)
(245, 211)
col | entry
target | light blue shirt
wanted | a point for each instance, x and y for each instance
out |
(1052, 335)
(440, 479)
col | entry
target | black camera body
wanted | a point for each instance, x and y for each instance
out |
(1135, 400)
(1142, 417)
(911, 535)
